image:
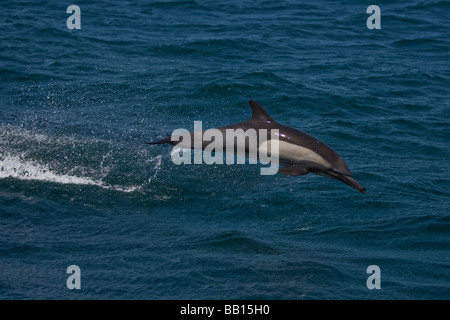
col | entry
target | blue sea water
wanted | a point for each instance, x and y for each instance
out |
(78, 186)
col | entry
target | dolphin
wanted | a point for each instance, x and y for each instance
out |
(299, 153)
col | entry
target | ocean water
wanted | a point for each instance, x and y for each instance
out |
(78, 186)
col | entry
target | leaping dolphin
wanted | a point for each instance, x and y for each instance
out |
(299, 153)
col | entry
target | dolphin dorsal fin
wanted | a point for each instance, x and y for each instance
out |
(259, 113)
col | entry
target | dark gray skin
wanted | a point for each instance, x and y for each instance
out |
(262, 120)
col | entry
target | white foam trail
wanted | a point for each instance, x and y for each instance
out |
(14, 167)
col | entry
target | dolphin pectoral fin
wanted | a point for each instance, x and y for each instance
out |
(344, 178)
(352, 182)
(293, 170)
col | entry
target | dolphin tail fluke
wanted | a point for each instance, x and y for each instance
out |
(160, 141)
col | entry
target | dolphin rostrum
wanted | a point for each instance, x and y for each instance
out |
(299, 153)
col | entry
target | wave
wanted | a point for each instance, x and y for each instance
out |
(419, 41)
(422, 5)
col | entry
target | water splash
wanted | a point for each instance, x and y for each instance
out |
(35, 156)
(157, 167)
(15, 167)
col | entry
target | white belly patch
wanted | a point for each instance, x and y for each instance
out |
(295, 153)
